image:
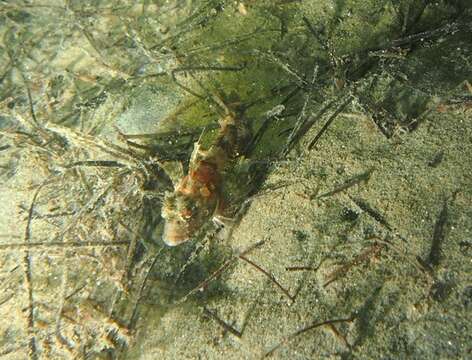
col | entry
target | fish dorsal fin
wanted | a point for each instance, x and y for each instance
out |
(196, 153)
(174, 170)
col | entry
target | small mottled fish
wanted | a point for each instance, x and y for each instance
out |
(198, 197)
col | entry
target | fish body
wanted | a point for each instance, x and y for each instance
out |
(198, 196)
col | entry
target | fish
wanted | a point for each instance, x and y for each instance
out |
(198, 196)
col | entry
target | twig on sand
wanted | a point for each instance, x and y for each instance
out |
(269, 275)
(303, 330)
(204, 284)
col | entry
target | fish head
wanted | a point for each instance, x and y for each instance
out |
(184, 215)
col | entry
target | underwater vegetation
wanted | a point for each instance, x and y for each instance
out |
(309, 159)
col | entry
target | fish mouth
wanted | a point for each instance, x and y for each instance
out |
(175, 234)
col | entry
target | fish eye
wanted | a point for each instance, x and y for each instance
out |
(187, 213)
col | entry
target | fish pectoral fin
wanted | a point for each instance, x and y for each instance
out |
(223, 221)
